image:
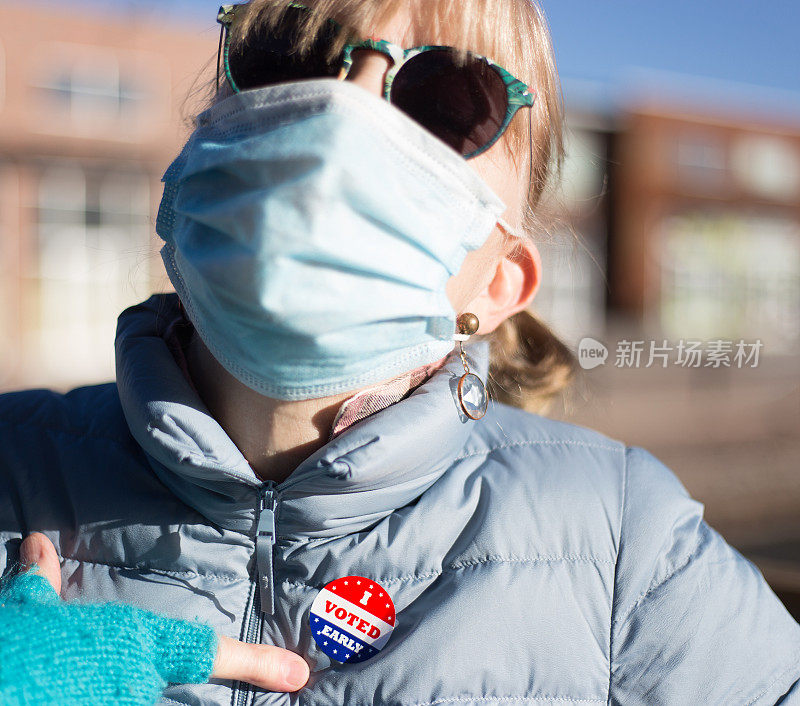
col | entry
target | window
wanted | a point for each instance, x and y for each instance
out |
(583, 171)
(768, 167)
(9, 264)
(2, 75)
(89, 91)
(93, 243)
(571, 297)
(730, 276)
(94, 93)
(701, 161)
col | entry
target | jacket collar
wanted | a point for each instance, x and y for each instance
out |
(377, 465)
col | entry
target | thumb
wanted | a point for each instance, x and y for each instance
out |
(37, 549)
(269, 667)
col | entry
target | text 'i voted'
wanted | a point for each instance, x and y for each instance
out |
(352, 618)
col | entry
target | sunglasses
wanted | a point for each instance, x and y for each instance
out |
(463, 98)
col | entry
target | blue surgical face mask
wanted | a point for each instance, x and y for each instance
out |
(310, 229)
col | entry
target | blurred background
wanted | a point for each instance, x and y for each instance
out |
(680, 212)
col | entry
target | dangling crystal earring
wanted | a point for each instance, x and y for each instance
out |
(471, 390)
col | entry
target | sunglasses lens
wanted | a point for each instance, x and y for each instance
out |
(268, 55)
(462, 104)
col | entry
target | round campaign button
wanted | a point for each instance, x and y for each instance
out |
(352, 618)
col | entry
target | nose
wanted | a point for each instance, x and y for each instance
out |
(369, 70)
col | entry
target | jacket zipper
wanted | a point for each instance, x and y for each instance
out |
(264, 593)
(265, 541)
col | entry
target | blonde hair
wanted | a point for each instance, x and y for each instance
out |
(529, 365)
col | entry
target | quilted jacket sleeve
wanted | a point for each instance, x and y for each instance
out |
(693, 621)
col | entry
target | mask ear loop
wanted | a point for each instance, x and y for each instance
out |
(506, 226)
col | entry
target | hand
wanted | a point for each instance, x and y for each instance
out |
(266, 666)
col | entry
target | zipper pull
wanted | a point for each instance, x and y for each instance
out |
(265, 540)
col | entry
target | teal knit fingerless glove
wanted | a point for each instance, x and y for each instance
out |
(53, 652)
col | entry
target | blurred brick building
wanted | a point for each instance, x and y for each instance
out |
(687, 223)
(90, 115)
(706, 237)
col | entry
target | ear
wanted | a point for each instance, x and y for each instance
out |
(515, 283)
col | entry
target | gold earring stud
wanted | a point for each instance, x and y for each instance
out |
(471, 391)
(468, 324)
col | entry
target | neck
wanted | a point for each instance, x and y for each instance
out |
(275, 436)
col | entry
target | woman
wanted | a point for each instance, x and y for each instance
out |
(298, 451)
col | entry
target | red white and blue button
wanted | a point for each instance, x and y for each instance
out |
(352, 619)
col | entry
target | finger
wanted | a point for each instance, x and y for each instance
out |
(269, 667)
(36, 548)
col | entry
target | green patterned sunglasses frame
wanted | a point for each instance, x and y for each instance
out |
(520, 95)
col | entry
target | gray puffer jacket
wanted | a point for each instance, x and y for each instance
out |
(528, 560)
